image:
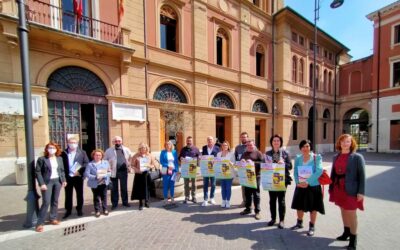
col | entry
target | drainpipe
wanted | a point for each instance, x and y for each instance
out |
(378, 83)
(146, 74)
(273, 68)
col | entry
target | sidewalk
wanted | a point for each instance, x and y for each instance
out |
(192, 226)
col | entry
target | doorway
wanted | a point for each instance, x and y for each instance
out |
(88, 138)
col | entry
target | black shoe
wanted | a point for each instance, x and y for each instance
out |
(311, 230)
(114, 207)
(346, 234)
(271, 223)
(185, 201)
(146, 204)
(140, 207)
(298, 225)
(194, 200)
(80, 213)
(281, 225)
(353, 242)
(246, 211)
(66, 215)
(126, 205)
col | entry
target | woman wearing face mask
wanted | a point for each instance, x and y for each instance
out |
(51, 177)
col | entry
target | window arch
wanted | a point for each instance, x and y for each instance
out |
(301, 71)
(260, 106)
(296, 110)
(294, 69)
(222, 101)
(169, 29)
(169, 93)
(222, 45)
(260, 61)
(76, 80)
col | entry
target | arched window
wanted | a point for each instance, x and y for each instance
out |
(260, 106)
(311, 75)
(296, 110)
(76, 80)
(325, 87)
(260, 61)
(329, 83)
(301, 71)
(256, 2)
(326, 114)
(294, 69)
(169, 93)
(222, 44)
(222, 101)
(168, 29)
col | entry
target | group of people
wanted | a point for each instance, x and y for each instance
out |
(109, 170)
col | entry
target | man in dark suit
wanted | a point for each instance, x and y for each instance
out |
(209, 149)
(75, 161)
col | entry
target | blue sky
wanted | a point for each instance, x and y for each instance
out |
(347, 24)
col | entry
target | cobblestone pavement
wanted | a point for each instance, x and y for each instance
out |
(193, 227)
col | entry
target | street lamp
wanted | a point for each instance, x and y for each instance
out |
(334, 4)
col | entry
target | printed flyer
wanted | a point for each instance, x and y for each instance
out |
(207, 166)
(304, 172)
(247, 174)
(273, 176)
(189, 168)
(222, 168)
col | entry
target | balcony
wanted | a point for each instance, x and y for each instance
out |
(55, 17)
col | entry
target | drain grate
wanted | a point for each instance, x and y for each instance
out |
(74, 229)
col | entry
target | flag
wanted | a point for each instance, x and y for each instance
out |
(120, 10)
(78, 9)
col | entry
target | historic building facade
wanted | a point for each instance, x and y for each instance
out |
(158, 70)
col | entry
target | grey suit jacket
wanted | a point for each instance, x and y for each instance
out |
(355, 175)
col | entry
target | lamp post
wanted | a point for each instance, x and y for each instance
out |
(31, 198)
(334, 4)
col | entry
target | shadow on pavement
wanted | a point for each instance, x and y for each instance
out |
(204, 219)
(267, 238)
(384, 186)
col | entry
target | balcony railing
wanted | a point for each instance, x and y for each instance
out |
(55, 17)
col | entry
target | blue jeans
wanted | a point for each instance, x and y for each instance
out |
(168, 184)
(206, 181)
(226, 189)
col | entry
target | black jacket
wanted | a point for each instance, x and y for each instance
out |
(43, 170)
(80, 157)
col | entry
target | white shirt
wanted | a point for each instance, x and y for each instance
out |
(171, 159)
(54, 166)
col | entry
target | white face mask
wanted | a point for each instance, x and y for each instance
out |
(73, 145)
(52, 151)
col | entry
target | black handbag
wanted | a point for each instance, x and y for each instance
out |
(155, 174)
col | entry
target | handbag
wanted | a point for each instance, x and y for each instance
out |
(155, 174)
(324, 179)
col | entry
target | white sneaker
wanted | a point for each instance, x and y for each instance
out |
(223, 203)
(212, 201)
(204, 204)
(227, 204)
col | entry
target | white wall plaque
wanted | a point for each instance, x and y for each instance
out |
(12, 103)
(128, 112)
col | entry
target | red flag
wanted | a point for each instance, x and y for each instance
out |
(78, 9)
(121, 10)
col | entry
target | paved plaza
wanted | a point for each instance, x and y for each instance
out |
(194, 227)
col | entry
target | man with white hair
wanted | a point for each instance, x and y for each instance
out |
(119, 157)
(209, 149)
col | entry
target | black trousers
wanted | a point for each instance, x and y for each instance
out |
(280, 196)
(253, 194)
(100, 194)
(122, 178)
(76, 183)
